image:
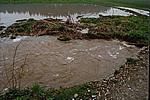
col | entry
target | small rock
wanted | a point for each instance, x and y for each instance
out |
(93, 96)
(6, 58)
(75, 95)
(5, 89)
(129, 78)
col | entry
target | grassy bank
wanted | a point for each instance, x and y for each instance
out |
(133, 29)
(37, 92)
(129, 3)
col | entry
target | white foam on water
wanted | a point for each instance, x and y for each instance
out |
(121, 48)
(100, 56)
(128, 46)
(19, 38)
(56, 75)
(112, 55)
(94, 48)
(69, 59)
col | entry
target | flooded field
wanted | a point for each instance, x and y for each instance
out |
(9, 13)
(54, 63)
(73, 51)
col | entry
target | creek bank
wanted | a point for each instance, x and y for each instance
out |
(130, 82)
(133, 29)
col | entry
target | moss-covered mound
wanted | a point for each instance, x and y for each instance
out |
(48, 26)
(133, 29)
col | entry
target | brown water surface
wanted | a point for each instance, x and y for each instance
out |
(54, 63)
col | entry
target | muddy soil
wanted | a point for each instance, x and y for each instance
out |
(54, 63)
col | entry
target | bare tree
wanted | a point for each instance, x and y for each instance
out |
(14, 74)
(14, 79)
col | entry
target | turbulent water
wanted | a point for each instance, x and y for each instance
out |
(54, 63)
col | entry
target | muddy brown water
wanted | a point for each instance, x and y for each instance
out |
(54, 63)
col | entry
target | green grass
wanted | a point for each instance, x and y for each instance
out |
(37, 92)
(129, 3)
(132, 29)
(131, 61)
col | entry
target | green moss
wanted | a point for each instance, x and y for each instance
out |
(21, 27)
(57, 27)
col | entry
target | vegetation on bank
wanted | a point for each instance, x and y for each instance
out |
(133, 29)
(37, 92)
(129, 3)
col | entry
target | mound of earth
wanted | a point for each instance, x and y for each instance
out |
(133, 29)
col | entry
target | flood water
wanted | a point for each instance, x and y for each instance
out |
(54, 63)
(9, 13)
